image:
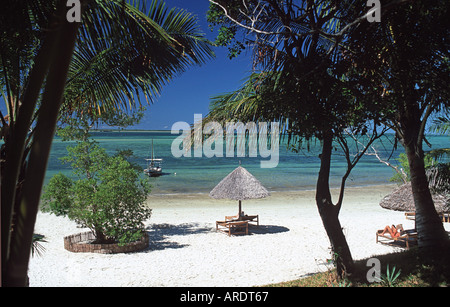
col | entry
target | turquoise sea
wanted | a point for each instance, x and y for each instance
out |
(295, 171)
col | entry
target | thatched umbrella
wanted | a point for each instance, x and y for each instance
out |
(239, 185)
(401, 199)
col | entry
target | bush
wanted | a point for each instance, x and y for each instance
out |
(108, 198)
(57, 195)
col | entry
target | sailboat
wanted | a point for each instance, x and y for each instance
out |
(154, 168)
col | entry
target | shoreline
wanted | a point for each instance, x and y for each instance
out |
(309, 193)
(293, 190)
(186, 251)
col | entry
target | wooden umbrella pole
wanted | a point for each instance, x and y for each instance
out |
(240, 210)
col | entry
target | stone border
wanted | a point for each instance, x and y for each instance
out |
(78, 243)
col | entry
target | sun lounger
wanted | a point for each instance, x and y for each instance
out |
(252, 219)
(406, 236)
(445, 217)
(232, 227)
(231, 217)
(410, 215)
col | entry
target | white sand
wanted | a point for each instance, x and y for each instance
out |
(185, 249)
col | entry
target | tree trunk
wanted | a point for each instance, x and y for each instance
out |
(16, 141)
(431, 232)
(100, 237)
(21, 239)
(330, 213)
(413, 112)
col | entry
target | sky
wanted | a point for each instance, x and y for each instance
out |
(190, 93)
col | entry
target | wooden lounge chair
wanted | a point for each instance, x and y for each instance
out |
(252, 219)
(232, 227)
(231, 217)
(406, 236)
(410, 215)
(445, 217)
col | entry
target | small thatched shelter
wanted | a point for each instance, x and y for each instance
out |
(401, 199)
(239, 185)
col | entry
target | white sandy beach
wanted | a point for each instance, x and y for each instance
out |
(186, 250)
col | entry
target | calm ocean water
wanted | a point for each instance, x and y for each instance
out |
(295, 171)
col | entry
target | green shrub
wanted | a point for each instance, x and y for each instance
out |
(57, 195)
(108, 198)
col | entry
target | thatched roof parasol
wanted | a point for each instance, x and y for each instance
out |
(239, 185)
(401, 199)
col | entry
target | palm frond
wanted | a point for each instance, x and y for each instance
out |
(439, 154)
(37, 248)
(138, 53)
(441, 125)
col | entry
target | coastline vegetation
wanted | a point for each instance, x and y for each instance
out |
(105, 193)
(108, 197)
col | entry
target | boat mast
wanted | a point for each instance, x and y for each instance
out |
(152, 151)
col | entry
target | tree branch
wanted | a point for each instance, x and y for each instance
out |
(352, 163)
(336, 36)
(427, 113)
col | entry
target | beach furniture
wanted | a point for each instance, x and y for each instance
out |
(445, 217)
(251, 219)
(407, 237)
(410, 215)
(240, 185)
(233, 227)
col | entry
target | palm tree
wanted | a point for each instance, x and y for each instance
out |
(49, 65)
